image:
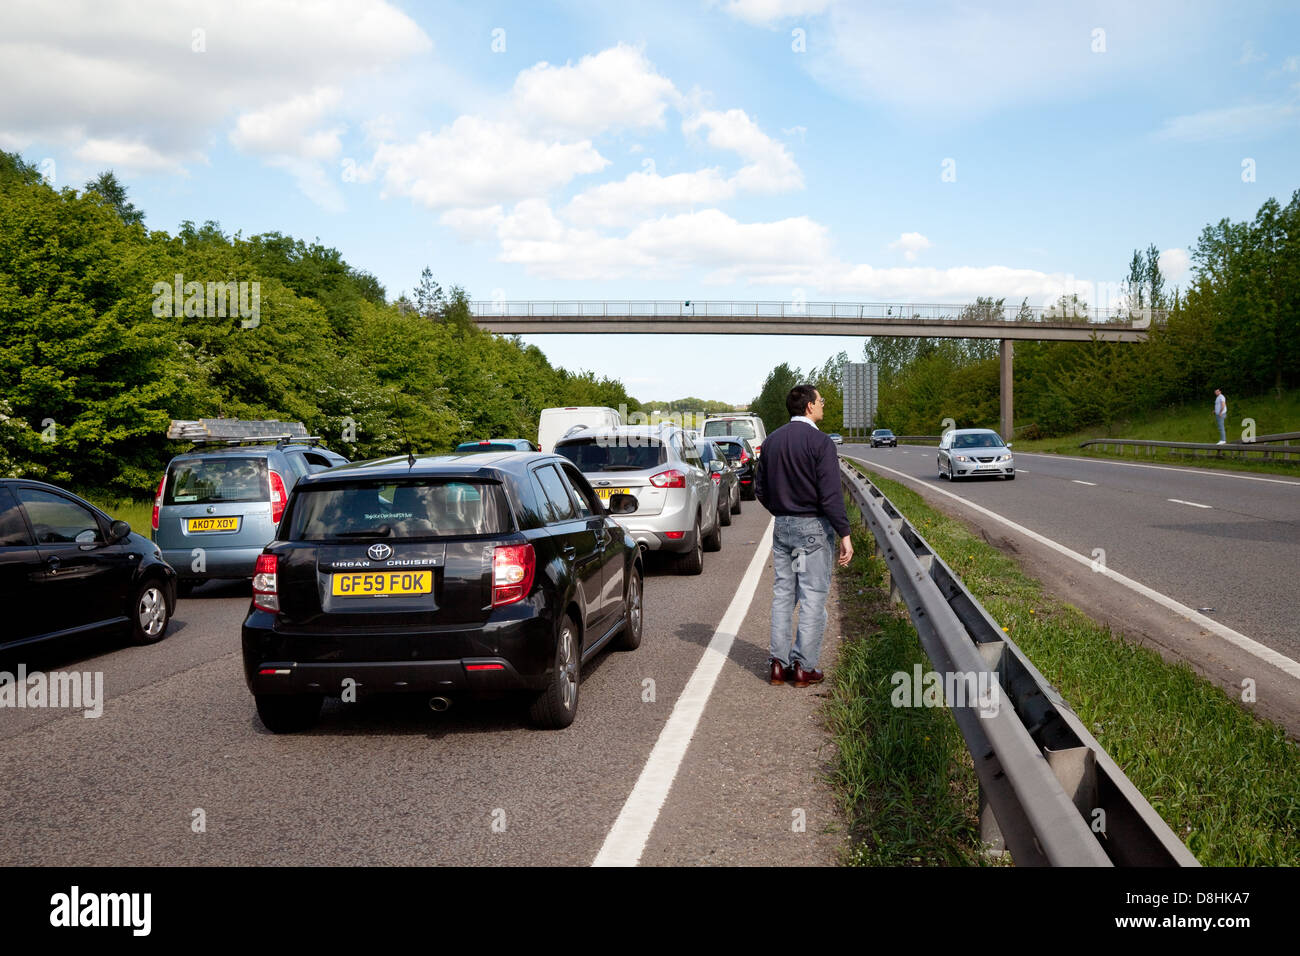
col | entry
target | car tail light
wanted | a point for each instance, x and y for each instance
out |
(744, 456)
(758, 449)
(674, 535)
(266, 593)
(278, 497)
(717, 477)
(512, 573)
(157, 502)
(672, 478)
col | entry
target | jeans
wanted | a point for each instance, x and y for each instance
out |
(1223, 436)
(803, 549)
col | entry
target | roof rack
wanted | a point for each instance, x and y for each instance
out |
(233, 431)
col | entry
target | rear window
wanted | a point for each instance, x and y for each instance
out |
(620, 453)
(730, 426)
(208, 481)
(402, 510)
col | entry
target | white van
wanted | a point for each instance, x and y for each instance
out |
(555, 423)
(742, 426)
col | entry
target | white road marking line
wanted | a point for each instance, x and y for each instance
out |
(1261, 651)
(1091, 484)
(627, 838)
(1182, 471)
(1180, 501)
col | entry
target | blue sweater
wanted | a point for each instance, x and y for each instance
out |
(799, 474)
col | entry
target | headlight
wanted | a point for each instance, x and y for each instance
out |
(961, 457)
(1004, 458)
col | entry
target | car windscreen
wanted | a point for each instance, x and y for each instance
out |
(408, 509)
(614, 453)
(883, 433)
(209, 481)
(982, 440)
(730, 426)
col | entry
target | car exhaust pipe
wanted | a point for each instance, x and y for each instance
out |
(440, 704)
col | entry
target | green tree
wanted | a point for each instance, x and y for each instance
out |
(114, 193)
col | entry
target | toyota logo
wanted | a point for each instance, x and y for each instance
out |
(380, 551)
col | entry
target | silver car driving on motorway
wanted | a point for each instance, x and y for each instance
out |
(677, 502)
(967, 452)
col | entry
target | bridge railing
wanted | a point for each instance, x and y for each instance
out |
(795, 310)
(1046, 786)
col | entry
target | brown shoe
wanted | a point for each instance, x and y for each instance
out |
(802, 678)
(779, 673)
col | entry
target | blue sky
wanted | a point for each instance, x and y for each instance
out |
(771, 149)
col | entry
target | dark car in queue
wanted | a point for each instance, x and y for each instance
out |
(725, 475)
(883, 436)
(496, 444)
(741, 454)
(68, 568)
(218, 505)
(459, 575)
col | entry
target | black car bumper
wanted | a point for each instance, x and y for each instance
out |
(513, 654)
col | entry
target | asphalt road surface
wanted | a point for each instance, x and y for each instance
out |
(178, 769)
(1224, 541)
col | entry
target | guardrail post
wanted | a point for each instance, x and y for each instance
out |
(994, 843)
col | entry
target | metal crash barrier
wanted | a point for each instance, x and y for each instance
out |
(1049, 793)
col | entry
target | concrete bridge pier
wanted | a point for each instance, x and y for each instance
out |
(1006, 353)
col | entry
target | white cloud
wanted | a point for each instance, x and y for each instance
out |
(958, 61)
(1174, 265)
(1248, 54)
(911, 244)
(123, 155)
(771, 168)
(1291, 64)
(133, 86)
(617, 88)
(958, 284)
(1229, 122)
(768, 12)
(481, 162)
(642, 194)
(474, 224)
(669, 246)
(285, 129)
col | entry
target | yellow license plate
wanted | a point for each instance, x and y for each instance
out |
(230, 523)
(604, 493)
(382, 583)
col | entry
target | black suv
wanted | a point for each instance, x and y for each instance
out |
(456, 575)
(68, 568)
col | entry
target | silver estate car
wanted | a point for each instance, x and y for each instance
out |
(677, 502)
(967, 452)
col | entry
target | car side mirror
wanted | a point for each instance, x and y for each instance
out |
(1008, 444)
(716, 467)
(620, 504)
(118, 531)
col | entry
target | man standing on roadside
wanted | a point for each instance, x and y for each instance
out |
(798, 481)
(1220, 414)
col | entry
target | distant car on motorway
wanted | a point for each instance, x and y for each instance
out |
(459, 575)
(837, 438)
(496, 444)
(970, 452)
(677, 502)
(218, 505)
(554, 423)
(740, 426)
(741, 454)
(725, 475)
(883, 436)
(67, 567)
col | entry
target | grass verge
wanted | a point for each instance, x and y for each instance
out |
(138, 514)
(1227, 783)
(902, 774)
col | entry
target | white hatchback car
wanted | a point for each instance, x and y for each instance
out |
(969, 452)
